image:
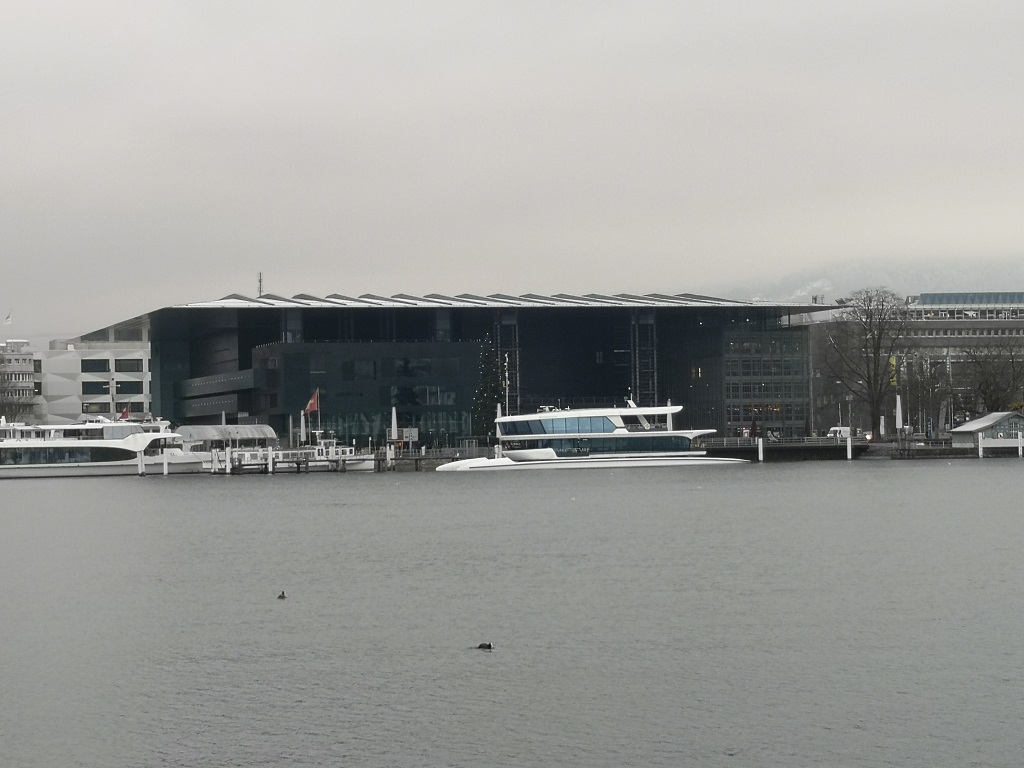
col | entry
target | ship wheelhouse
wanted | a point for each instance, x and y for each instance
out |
(624, 431)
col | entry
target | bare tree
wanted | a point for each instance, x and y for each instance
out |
(926, 382)
(862, 343)
(995, 372)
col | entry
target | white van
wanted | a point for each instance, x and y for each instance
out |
(839, 433)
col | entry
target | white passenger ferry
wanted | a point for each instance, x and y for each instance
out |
(92, 448)
(593, 437)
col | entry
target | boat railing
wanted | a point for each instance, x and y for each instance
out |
(304, 454)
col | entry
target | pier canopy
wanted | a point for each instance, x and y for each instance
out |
(205, 436)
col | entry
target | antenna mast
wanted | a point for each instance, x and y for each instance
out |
(260, 285)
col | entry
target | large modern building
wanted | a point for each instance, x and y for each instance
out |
(930, 370)
(943, 331)
(446, 362)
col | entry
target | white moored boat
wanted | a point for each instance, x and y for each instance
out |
(593, 437)
(92, 448)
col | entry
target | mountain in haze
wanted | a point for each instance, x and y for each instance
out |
(838, 281)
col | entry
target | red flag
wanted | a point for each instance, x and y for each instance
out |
(126, 414)
(314, 402)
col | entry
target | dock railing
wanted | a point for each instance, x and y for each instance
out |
(748, 442)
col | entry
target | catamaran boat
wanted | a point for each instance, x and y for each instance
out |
(593, 437)
(92, 448)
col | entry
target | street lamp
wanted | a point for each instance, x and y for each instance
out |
(111, 387)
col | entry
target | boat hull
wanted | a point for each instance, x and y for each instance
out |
(590, 462)
(153, 465)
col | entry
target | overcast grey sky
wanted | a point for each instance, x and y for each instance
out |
(155, 153)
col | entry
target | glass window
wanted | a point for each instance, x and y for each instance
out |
(127, 334)
(412, 366)
(128, 365)
(91, 365)
(95, 388)
(95, 407)
(129, 387)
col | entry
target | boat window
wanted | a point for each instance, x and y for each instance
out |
(514, 428)
(117, 431)
(63, 455)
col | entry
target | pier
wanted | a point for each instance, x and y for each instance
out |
(758, 449)
(269, 461)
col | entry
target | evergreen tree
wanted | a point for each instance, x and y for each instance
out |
(490, 390)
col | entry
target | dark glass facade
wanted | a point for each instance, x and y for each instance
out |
(445, 369)
(432, 386)
(766, 377)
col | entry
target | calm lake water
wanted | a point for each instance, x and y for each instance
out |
(866, 613)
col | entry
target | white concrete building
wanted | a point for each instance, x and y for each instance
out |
(103, 373)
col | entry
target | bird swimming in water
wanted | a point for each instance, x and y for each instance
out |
(485, 647)
(282, 596)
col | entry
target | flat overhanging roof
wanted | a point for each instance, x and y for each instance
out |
(492, 301)
(975, 300)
